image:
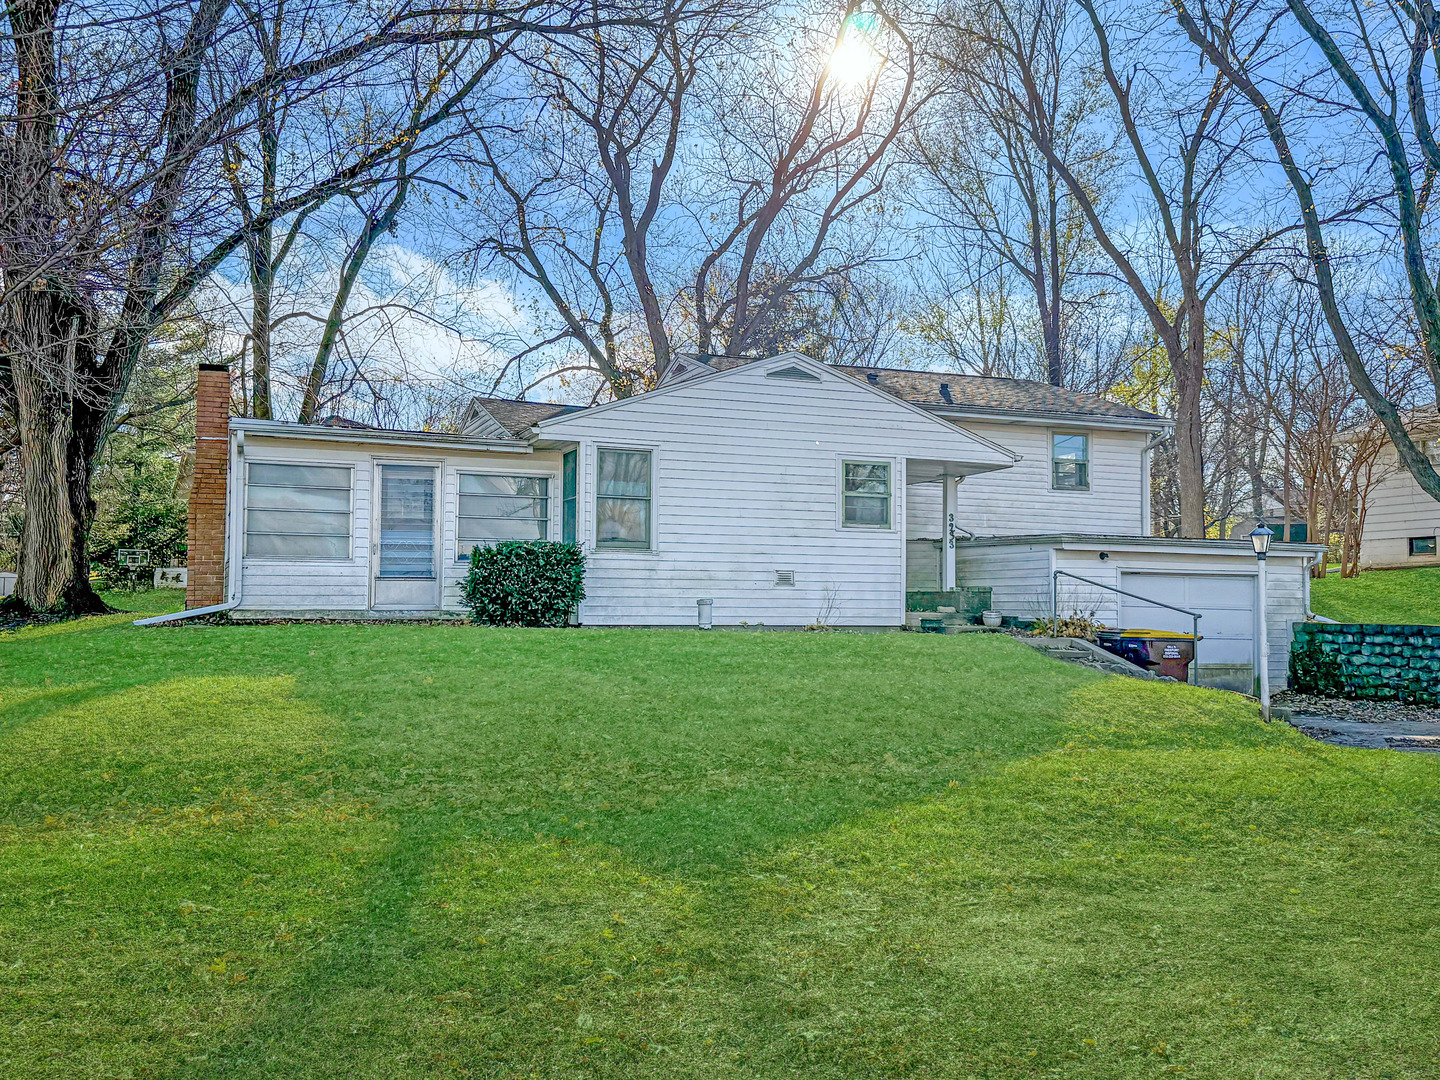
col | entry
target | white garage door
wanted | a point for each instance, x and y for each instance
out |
(1227, 627)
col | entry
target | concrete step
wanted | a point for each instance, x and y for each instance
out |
(1087, 654)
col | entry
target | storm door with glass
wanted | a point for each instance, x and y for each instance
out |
(403, 555)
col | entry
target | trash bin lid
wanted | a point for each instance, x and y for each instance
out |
(1156, 634)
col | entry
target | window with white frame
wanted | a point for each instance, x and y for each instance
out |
(494, 508)
(623, 486)
(865, 492)
(297, 511)
(1070, 461)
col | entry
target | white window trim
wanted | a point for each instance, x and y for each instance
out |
(551, 524)
(841, 460)
(245, 510)
(1089, 438)
(592, 499)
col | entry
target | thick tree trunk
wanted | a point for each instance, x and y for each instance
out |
(46, 534)
(48, 332)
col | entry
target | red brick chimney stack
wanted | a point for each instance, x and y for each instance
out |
(205, 582)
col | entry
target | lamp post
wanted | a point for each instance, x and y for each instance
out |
(1260, 541)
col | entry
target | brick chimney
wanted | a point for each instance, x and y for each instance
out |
(205, 529)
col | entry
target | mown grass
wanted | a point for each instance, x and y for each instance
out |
(371, 851)
(1405, 597)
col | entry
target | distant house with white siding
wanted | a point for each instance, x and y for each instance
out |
(783, 490)
(1402, 522)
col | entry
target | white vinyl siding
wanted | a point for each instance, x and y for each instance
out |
(1021, 501)
(1020, 576)
(297, 512)
(297, 585)
(495, 508)
(1397, 511)
(746, 481)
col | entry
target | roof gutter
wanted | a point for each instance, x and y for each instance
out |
(1159, 425)
(279, 429)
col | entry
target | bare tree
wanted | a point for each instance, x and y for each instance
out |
(113, 207)
(990, 187)
(684, 186)
(1188, 149)
(805, 153)
(1383, 60)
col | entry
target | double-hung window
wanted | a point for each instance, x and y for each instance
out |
(1070, 462)
(623, 486)
(297, 511)
(865, 492)
(494, 508)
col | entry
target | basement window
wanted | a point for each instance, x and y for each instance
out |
(1422, 545)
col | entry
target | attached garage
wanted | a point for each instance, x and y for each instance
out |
(1217, 578)
(1226, 604)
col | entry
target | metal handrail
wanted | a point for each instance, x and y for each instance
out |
(1195, 616)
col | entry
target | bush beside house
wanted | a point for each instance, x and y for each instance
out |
(524, 584)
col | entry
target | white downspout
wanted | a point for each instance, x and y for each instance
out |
(1147, 527)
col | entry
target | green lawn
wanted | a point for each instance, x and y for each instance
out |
(1380, 596)
(389, 851)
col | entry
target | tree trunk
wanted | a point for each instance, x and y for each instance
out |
(1189, 374)
(1050, 309)
(262, 288)
(46, 535)
(48, 333)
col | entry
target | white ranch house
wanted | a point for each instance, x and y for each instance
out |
(783, 490)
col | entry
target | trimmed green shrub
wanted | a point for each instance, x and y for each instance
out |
(516, 583)
(1315, 670)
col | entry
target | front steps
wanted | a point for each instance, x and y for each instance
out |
(1087, 654)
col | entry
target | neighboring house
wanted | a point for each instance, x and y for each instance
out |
(786, 491)
(1402, 522)
(1274, 520)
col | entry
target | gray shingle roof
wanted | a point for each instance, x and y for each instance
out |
(946, 391)
(518, 417)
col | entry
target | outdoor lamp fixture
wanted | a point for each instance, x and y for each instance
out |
(1260, 541)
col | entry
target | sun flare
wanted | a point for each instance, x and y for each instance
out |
(855, 61)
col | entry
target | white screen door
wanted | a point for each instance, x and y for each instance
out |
(403, 562)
